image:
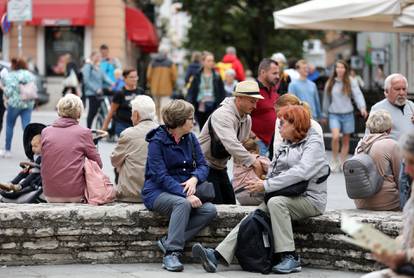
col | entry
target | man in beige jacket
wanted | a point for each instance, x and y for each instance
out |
(130, 155)
(230, 126)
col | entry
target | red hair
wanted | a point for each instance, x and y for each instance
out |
(299, 117)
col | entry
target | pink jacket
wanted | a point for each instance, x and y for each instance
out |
(243, 175)
(65, 145)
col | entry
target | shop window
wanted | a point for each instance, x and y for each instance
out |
(60, 41)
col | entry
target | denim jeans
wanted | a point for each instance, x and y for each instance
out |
(12, 114)
(120, 126)
(263, 148)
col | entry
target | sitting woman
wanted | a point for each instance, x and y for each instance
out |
(300, 160)
(65, 144)
(386, 154)
(175, 165)
(401, 263)
(130, 154)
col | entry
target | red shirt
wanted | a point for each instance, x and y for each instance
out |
(264, 116)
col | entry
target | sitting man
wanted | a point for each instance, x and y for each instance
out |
(130, 155)
(300, 159)
(385, 152)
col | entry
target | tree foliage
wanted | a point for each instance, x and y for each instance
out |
(246, 24)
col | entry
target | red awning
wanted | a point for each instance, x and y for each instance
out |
(63, 12)
(3, 7)
(140, 30)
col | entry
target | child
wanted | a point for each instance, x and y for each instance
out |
(28, 178)
(119, 81)
(243, 176)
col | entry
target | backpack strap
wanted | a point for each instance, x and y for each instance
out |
(193, 154)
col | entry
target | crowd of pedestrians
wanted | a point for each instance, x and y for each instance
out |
(269, 126)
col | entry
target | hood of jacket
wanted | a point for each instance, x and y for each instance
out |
(229, 58)
(160, 134)
(229, 104)
(161, 61)
(65, 122)
(368, 140)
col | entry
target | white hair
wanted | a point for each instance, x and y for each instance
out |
(70, 106)
(379, 121)
(231, 50)
(279, 57)
(231, 72)
(145, 107)
(391, 77)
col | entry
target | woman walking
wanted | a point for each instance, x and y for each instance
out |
(337, 107)
(206, 91)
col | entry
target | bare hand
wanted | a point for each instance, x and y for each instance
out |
(256, 186)
(323, 121)
(194, 201)
(364, 113)
(393, 261)
(190, 185)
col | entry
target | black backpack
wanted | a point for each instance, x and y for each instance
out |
(255, 243)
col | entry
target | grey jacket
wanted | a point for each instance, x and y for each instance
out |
(94, 79)
(302, 161)
(226, 122)
(129, 158)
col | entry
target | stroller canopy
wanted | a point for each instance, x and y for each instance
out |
(31, 131)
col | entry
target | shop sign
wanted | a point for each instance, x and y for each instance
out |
(19, 10)
(5, 24)
(56, 22)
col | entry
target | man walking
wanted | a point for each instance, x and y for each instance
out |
(161, 78)
(305, 89)
(231, 58)
(264, 116)
(222, 136)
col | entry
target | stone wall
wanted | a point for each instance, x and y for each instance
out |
(127, 233)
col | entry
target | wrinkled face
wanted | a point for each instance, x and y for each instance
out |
(397, 93)
(36, 144)
(286, 130)
(303, 69)
(188, 125)
(271, 76)
(340, 70)
(246, 104)
(409, 164)
(131, 79)
(208, 62)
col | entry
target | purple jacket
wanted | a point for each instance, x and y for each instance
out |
(65, 145)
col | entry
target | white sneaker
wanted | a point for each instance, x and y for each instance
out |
(5, 154)
(335, 166)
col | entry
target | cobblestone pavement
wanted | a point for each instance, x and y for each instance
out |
(151, 270)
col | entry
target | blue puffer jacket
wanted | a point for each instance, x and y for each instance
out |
(169, 164)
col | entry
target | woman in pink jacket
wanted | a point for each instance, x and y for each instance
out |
(65, 144)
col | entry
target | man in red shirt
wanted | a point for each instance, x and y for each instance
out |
(264, 116)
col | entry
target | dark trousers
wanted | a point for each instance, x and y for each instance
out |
(73, 90)
(2, 110)
(94, 103)
(222, 187)
(202, 118)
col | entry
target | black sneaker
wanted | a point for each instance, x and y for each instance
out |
(171, 262)
(207, 257)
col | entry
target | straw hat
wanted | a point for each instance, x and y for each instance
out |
(248, 89)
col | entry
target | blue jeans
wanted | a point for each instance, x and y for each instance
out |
(344, 122)
(120, 126)
(12, 114)
(263, 148)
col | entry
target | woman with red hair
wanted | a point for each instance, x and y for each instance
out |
(295, 188)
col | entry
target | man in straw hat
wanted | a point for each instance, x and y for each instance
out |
(222, 136)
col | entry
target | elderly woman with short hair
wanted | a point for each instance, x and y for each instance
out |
(65, 145)
(130, 154)
(385, 152)
(175, 165)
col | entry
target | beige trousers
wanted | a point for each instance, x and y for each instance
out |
(282, 211)
(160, 102)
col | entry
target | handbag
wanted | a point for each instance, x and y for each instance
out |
(204, 191)
(71, 80)
(99, 189)
(28, 91)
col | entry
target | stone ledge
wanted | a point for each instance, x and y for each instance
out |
(127, 233)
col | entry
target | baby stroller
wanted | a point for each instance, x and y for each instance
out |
(26, 187)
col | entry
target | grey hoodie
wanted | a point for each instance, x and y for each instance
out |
(302, 161)
(226, 121)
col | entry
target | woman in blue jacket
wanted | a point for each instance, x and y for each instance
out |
(175, 165)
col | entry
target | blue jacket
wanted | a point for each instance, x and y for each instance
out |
(94, 79)
(169, 164)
